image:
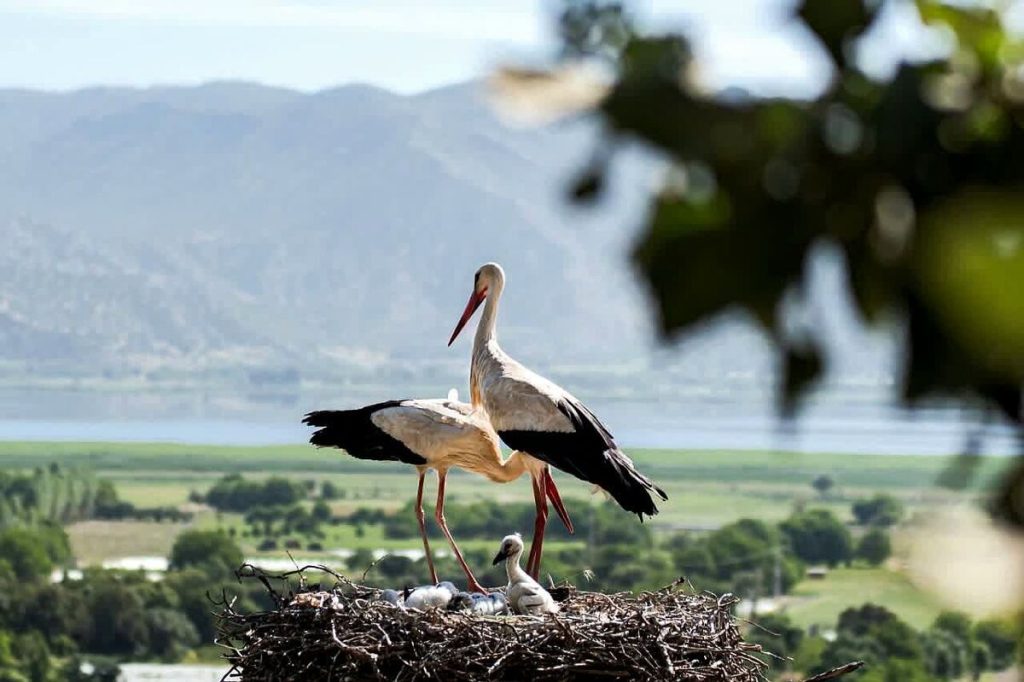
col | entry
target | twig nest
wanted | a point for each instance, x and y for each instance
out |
(348, 632)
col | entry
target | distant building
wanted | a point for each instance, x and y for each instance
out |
(817, 572)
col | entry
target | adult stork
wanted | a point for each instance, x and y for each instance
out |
(534, 415)
(428, 434)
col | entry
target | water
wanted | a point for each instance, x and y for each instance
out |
(842, 426)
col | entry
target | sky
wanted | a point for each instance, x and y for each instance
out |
(403, 45)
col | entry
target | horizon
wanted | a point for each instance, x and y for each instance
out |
(307, 46)
(214, 82)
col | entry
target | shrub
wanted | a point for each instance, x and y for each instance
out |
(874, 547)
(26, 552)
(880, 510)
(817, 536)
(1001, 637)
(210, 549)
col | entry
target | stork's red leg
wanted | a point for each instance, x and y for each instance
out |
(540, 499)
(471, 582)
(423, 529)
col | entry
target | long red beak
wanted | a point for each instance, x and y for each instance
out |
(556, 501)
(475, 299)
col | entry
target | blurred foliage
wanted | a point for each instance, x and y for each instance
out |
(879, 510)
(952, 648)
(874, 547)
(916, 180)
(52, 493)
(209, 550)
(1002, 638)
(235, 493)
(823, 485)
(75, 629)
(816, 536)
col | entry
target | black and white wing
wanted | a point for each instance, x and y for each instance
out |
(538, 417)
(411, 431)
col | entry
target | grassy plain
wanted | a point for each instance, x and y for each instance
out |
(706, 489)
(819, 602)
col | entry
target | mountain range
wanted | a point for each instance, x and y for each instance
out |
(233, 226)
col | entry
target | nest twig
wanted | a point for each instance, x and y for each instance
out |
(345, 632)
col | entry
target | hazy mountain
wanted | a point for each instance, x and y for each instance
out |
(237, 225)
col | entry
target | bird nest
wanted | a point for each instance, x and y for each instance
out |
(346, 632)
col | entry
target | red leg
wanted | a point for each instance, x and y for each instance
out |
(471, 582)
(537, 545)
(423, 529)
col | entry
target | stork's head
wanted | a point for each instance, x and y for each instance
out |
(511, 546)
(489, 280)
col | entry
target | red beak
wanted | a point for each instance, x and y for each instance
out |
(556, 500)
(475, 299)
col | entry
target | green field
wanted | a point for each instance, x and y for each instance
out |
(706, 490)
(819, 602)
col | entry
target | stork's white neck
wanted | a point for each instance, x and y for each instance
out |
(485, 342)
(486, 329)
(512, 570)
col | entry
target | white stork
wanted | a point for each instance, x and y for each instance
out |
(428, 434)
(431, 596)
(524, 594)
(534, 415)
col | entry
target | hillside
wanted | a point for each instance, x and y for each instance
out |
(232, 226)
(178, 222)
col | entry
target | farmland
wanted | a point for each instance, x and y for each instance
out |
(709, 492)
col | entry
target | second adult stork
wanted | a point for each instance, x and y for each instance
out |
(428, 434)
(536, 416)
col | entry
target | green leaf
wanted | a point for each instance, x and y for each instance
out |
(835, 22)
(871, 285)
(960, 472)
(663, 57)
(801, 368)
(1008, 504)
(935, 364)
(699, 262)
(969, 266)
(1009, 398)
(978, 29)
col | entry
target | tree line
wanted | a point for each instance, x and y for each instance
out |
(62, 495)
(79, 629)
(951, 648)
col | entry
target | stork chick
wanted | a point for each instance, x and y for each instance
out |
(525, 595)
(431, 596)
(479, 604)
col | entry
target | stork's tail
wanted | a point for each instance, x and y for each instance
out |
(354, 432)
(339, 428)
(632, 490)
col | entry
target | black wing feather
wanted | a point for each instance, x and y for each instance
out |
(591, 454)
(354, 432)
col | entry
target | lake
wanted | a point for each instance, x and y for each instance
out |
(840, 424)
